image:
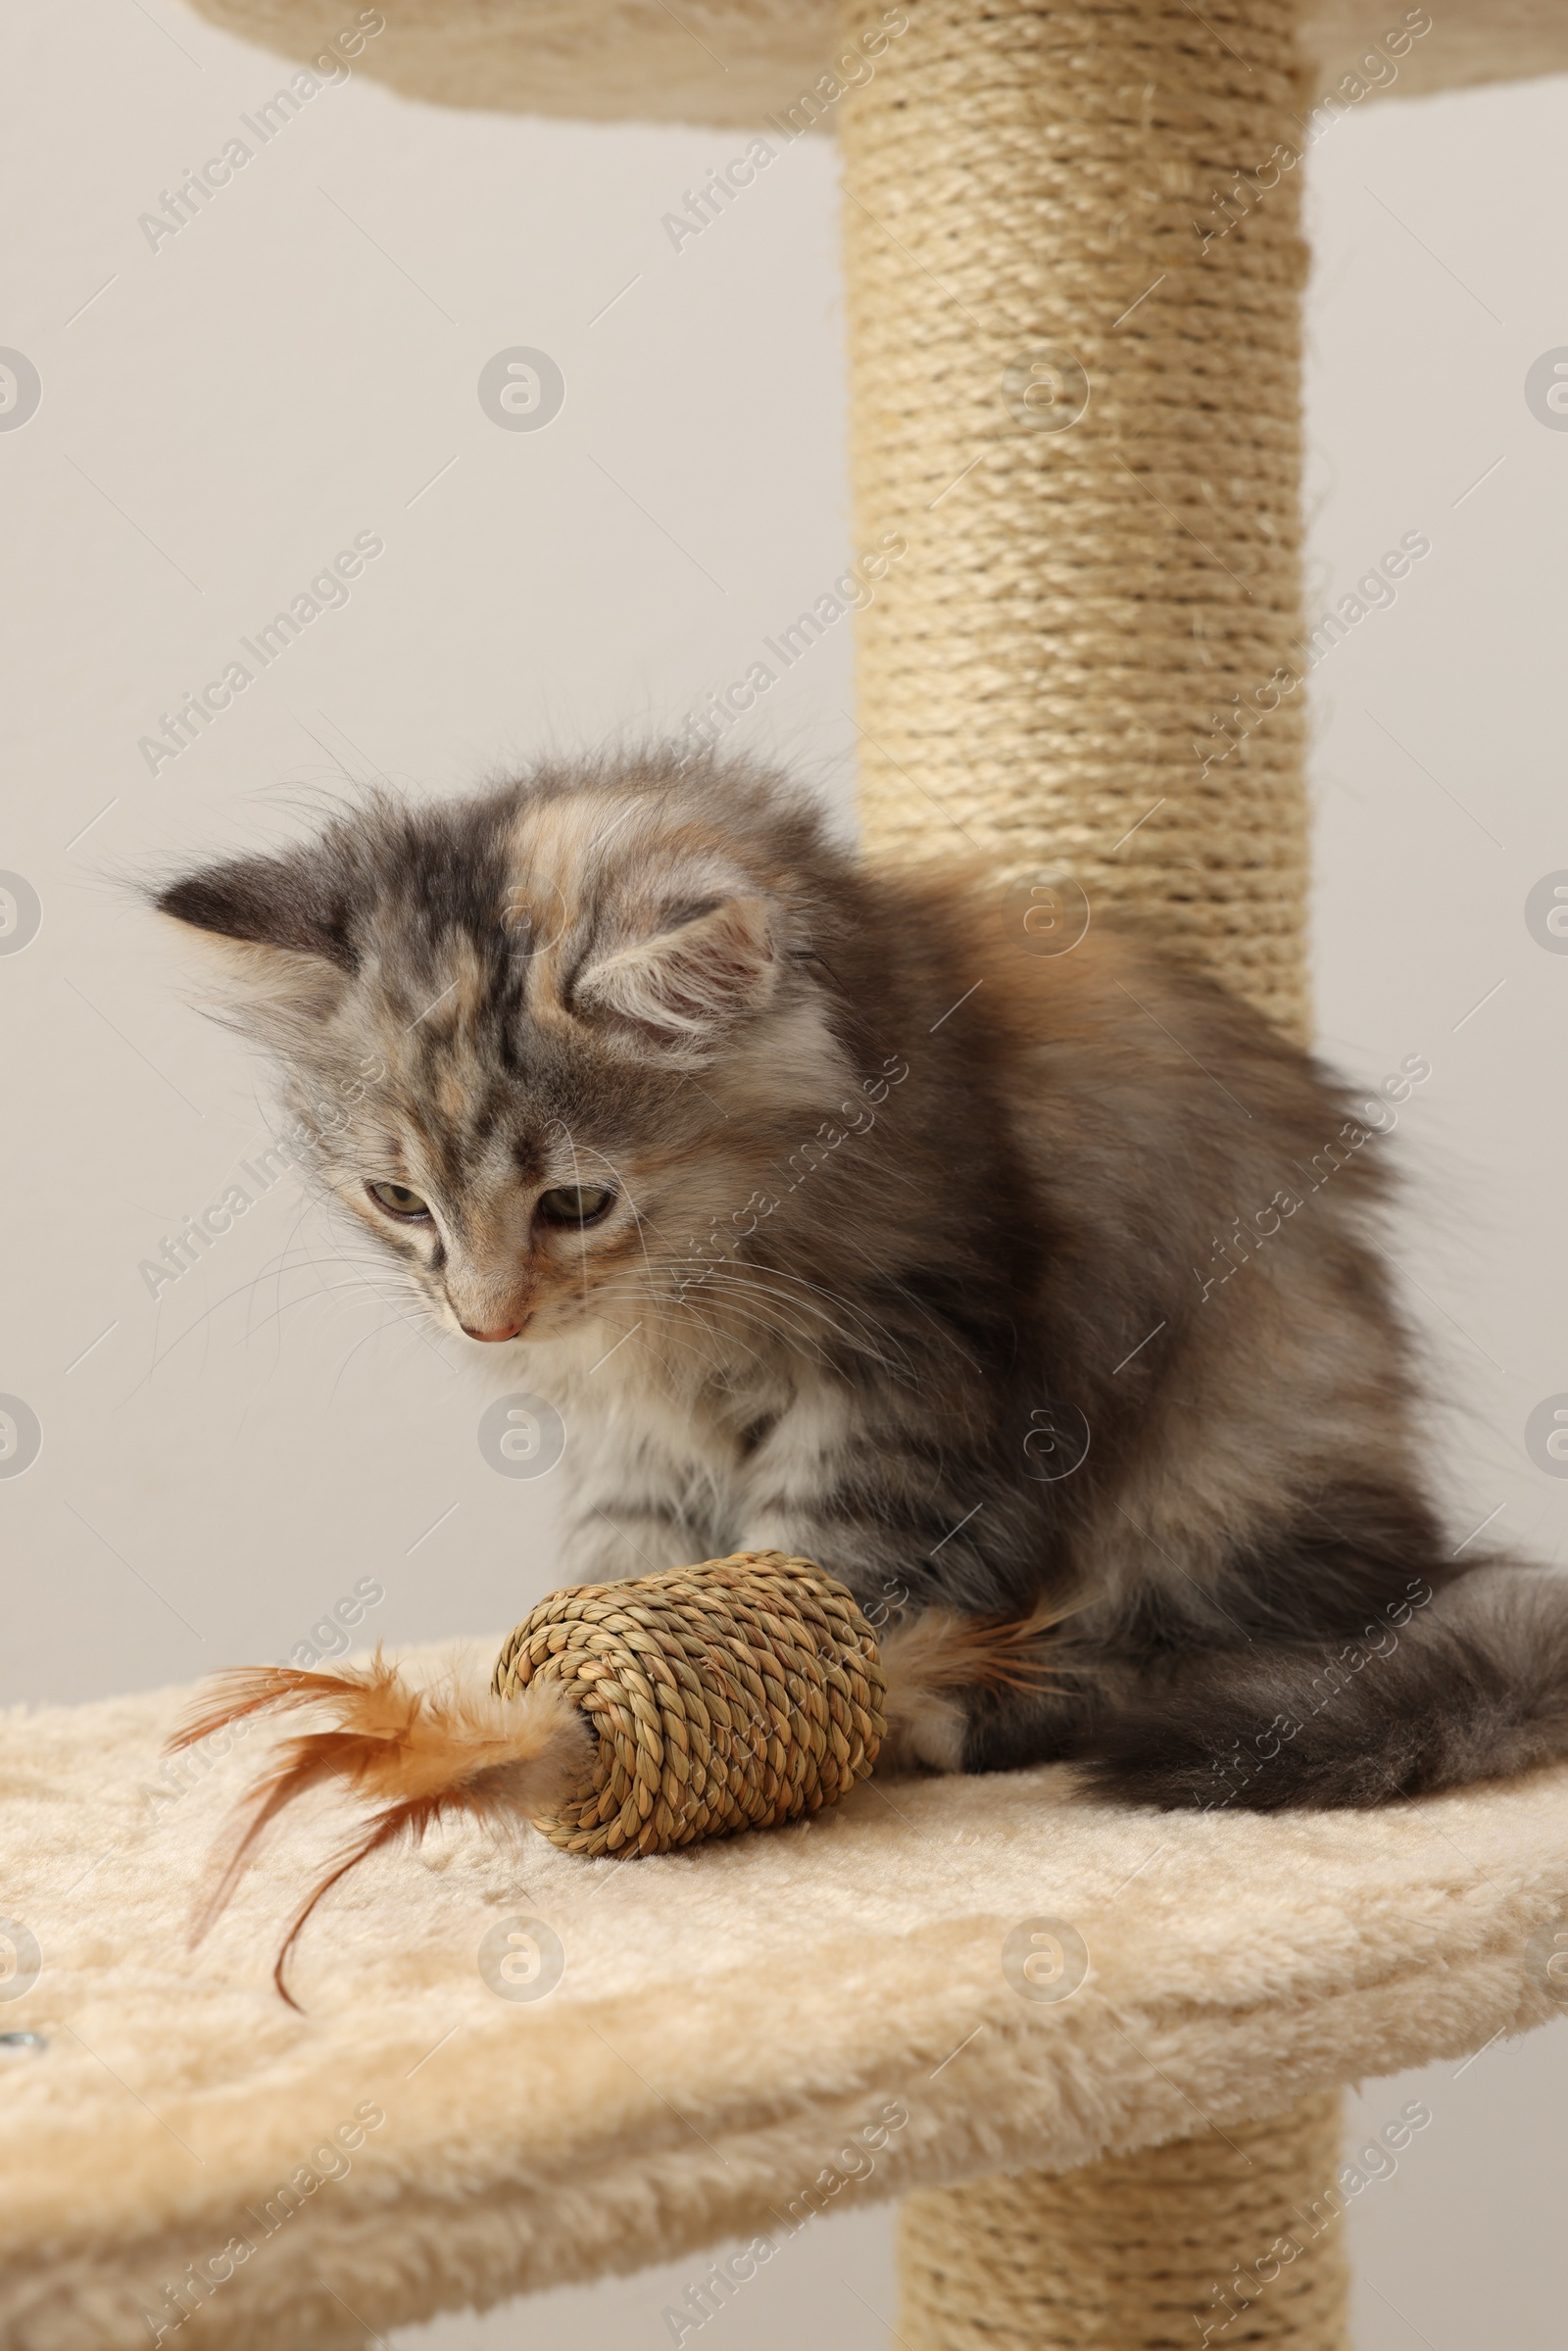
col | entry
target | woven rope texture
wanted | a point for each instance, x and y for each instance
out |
(732, 1695)
(1076, 396)
(1142, 2252)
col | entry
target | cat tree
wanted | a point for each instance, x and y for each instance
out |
(1073, 273)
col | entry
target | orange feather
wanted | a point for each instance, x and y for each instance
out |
(419, 1754)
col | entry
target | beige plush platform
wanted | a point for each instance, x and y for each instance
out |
(729, 2021)
(737, 61)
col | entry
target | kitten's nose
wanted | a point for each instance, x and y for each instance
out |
(509, 1332)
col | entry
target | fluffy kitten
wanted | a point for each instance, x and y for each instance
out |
(838, 1223)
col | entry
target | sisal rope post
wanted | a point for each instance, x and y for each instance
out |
(1075, 394)
(1073, 271)
(1141, 2251)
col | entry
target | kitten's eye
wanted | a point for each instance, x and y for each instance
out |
(574, 1204)
(397, 1200)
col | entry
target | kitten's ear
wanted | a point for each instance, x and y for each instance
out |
(269, 903)
(279, 928)
(686, 983)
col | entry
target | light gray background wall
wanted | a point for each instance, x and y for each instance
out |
(220, 416)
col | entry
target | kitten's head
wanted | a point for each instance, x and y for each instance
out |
(537, 1042)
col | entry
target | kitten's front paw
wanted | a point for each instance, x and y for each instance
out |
(924, 1734)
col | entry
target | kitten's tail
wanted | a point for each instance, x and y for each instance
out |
(1474, 1686)
(420, 1754)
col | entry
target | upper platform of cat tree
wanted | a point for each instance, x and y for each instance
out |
(735, 61)
(677, 2050)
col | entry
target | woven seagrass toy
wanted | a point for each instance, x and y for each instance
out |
(732, 1696)
(621, 1719)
